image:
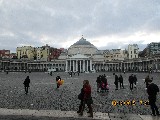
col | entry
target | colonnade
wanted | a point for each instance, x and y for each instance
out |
(78, 65)
(83, 65)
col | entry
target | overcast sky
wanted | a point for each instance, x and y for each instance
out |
(107, 24)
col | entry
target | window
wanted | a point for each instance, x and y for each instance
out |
(131, 52)
(131, 56)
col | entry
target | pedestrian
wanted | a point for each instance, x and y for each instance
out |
(135, 81)
(26, 84)
(80, 97)
(146, 81)
(116, 81)
(87, 99)
(57, 79)
(98, 82)
(152, 91)
(131, 80)
(121, 81)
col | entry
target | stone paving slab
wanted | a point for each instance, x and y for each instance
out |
(26, 114)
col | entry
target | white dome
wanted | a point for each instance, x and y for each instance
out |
(83, 47)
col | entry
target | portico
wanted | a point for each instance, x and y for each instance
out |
(79, 63)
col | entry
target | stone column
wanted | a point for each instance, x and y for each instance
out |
(156, 64)
(83, 65)
(90, 64)
(73, 65)
(66, 66)
(80, 66)
(70, 65)
(87, 65)
(76, 65)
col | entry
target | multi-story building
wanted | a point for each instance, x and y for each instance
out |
(133, 51)
(4, 53)
(43, 53)
(153, 48)
(26, 52)
(114, 54)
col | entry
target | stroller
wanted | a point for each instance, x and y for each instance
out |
(104, 87)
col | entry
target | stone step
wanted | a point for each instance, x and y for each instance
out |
(25, 114)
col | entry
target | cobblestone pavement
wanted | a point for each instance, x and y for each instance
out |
(43, 94)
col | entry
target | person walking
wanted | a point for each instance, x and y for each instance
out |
(131, 80)
(80, 97)
(58, 78)
(116, 81)
(121, 81)
(98, 82)
(146, 81)
(26, 84)
(135, 81)
(152, 91)
(87, 99)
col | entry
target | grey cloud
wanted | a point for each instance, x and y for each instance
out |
(61, 19)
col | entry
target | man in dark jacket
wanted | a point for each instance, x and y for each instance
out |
(26, 84)
(121, 81)
(116, 82)
(131, 80)
(135, 80)
(152, 92)
(98, 82)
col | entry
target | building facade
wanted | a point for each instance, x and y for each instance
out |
(115, 54)
(5, 53)
(153, 48)
(133, 51)
(26, 52)
(82, 56)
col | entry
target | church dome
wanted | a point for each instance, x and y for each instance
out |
(82, 47)
(82, 41)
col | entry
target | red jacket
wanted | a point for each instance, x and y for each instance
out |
(87, 91)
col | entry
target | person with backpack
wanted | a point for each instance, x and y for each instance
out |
(152, 91)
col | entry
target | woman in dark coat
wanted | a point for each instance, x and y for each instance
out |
(87, 99)
(26, 84)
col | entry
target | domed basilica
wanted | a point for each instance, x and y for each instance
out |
(82, 47)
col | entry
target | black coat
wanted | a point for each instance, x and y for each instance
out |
(121, 79)
(116, 80)
(152, 89)
(26, 82)
(131, 79)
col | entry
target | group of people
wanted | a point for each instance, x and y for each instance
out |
(71, 73)
(132, 81)
(119, 80)
(85, 94)
(102, 83)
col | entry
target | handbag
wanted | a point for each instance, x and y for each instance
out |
(80, 97)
